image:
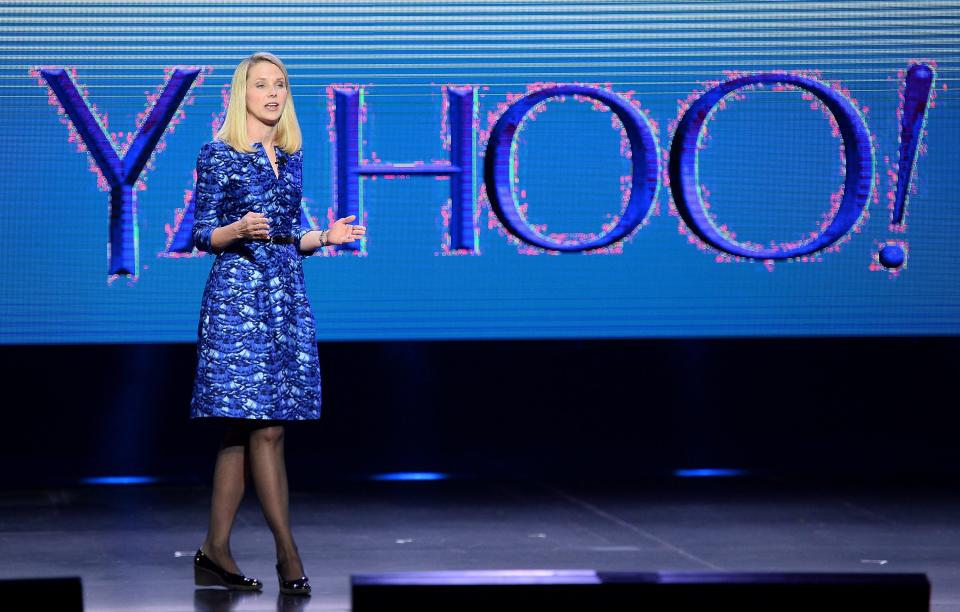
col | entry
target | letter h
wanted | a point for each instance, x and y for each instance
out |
(462, 109)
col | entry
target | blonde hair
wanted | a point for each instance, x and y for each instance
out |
(234, 128)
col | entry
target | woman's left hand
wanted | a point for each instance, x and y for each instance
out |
(341, 231)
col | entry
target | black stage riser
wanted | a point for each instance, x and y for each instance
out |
(465, 592)
(60, 594)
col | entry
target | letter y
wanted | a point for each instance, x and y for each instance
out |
(121, 172)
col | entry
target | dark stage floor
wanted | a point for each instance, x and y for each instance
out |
(133, 546)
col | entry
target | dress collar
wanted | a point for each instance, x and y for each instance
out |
(280, 152)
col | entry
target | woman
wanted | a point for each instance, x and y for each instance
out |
(257, 361)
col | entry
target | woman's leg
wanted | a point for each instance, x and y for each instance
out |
(229, 479)
(270, 478)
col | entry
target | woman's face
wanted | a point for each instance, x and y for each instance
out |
(266, 92)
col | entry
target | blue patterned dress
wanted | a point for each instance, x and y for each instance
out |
(256, 346)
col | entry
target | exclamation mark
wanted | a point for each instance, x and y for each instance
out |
(916, 96)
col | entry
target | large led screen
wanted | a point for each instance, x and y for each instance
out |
(562, 169)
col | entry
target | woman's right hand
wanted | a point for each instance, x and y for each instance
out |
(253, 226)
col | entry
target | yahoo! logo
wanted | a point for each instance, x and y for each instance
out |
(121, 174)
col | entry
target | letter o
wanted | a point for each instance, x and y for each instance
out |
(645, 165)
(858, 156)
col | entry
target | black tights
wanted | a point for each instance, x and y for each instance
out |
(252, 449)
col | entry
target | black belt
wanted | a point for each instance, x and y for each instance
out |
(279, 239)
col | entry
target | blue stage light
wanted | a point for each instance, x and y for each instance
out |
(120, 480)
(410, 476)
(709, 473)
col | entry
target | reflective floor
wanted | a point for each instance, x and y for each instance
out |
(133, 546)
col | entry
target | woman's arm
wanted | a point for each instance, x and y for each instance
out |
(340, 232)
(312, 240)
(253, 225)
(207, 195)
(208, 235)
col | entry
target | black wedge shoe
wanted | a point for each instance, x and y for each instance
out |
(208, 573)
(300, 586)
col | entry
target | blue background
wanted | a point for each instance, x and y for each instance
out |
(770, 165)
